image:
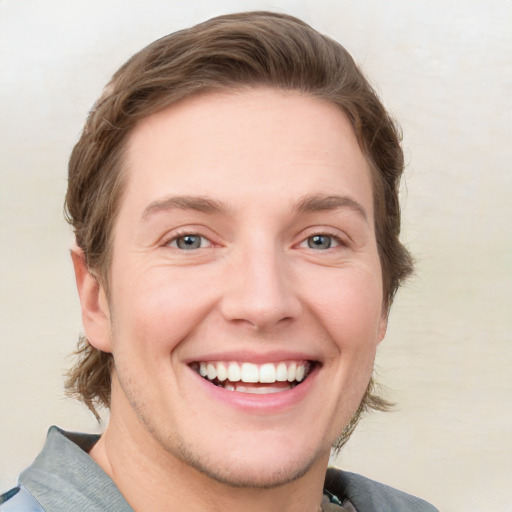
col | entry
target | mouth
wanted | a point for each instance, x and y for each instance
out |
(253, 378)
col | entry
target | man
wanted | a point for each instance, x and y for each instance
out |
(234, 197)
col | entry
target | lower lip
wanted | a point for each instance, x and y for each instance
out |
(262, 403)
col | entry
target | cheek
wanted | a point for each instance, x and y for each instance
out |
(349, 304)
(153, 315)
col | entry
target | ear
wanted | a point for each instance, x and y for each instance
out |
(94, 304)
(383, 325)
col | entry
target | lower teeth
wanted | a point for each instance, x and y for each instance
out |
(255, 389)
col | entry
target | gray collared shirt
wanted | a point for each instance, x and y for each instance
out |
(63, 477)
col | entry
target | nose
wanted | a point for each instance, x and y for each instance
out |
(260, 290)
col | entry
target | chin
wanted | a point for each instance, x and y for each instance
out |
(261, 472)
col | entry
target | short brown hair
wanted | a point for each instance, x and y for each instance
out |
(254, 49)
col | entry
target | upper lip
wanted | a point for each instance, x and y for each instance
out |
(255, 357)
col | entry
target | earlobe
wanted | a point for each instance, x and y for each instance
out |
(93, 302)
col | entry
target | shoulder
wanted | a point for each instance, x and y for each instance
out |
(63, 477)
(19, 500)
(370, 496)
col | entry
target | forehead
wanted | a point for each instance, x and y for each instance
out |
(268, 142)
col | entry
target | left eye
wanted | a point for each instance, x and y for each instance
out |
(320, 242)
(189, 242)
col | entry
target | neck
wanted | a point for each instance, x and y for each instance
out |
(153, 479)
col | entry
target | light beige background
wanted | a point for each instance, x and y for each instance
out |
(443, 67)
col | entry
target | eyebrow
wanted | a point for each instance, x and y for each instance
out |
(309, 203)
(318, 203)
(198, 203)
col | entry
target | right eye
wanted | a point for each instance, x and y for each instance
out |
(189, 242)
(321, 241)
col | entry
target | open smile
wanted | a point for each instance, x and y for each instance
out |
(246, 377)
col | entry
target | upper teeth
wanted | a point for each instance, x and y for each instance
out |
(248, 372)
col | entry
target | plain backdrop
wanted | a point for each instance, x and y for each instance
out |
(443, 67)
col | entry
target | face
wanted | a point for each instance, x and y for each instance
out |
(245, 300)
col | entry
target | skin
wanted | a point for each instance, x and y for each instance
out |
(276, 168)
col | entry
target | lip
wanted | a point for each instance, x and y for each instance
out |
(254, 357)
(270, 403)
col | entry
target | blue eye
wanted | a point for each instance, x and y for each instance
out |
(321, 242)
(189, 242)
